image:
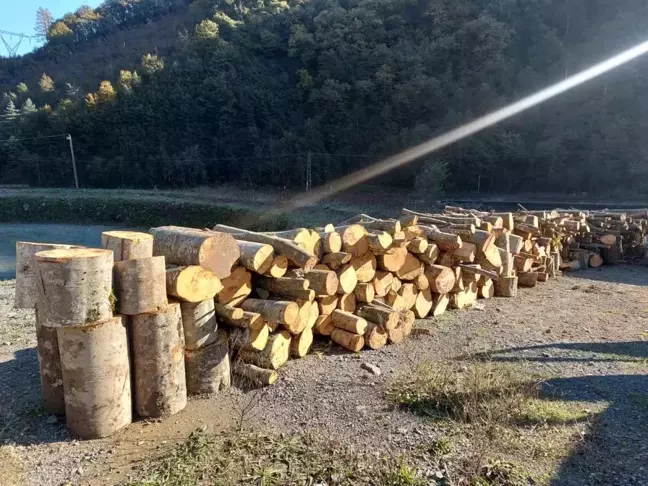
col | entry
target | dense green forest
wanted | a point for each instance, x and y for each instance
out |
(178, 93)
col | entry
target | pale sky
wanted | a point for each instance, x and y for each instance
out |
(20, 16)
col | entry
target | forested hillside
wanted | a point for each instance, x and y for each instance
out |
(173, 93)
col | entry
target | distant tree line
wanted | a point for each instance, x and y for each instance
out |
(250, 88)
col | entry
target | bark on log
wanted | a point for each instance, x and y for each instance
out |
(375, 337)
(192, 283)
(324, 325)
(354, 240)
(393, 260)
(49, 360)
(209, 368)
(255, 375)
(365, 267)
(249, 339)
(417, 245)
(287, 248)
(383, 316)
(275, 354)
(283, 286)
(26, 288)
(256, 257)
(527, 279)
(323, 282)
(331, 242)
(249, 320)
(349, 322)
(430, 255)
(158, 362)
(214, 251)
(347, 279)
(364, 292)
(140, 285)
(127, 245)
(445, 241)
(441, 278)
(522, 263)
(301, 343)
(96, 378)
(278, 267)
(411, 268)
(74, 286)
(379, 241)
(350, 341)
(236, 287)
(327, 304)
(199, 323)
(506, 286)
(337, 260)
(273, 311)
(466, 253)
(228, 312)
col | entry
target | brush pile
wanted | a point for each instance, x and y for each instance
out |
(177, 311)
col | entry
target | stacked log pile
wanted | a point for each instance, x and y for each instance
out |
(179, 310)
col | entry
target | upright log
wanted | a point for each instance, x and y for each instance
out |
(51, 375)
(199, 323)
(208, 368)
(506, 286)
(158, 359)
(140, 285)
(74, 286)
(127, 245)
(527, 279)
(96, 377)
(214, 251)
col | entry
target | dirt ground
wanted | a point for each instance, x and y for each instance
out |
(586, 334)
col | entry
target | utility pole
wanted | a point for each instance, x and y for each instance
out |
(76, 178)
(309, 175)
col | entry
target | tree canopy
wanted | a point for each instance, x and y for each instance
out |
(245, 91)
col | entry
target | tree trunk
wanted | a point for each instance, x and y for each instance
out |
(256, 257)
(51, 375)
(216, 252)
(140, 285)
(26, 272)
(354, 240)
(323, 282)
(96, 377)
(506, 286)
(350, 341)
(192, 283)
(74, 286)
(527, 279)
(127, 245)
(209, 368)
(199, 323)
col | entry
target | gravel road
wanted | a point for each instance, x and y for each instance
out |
(587, 333)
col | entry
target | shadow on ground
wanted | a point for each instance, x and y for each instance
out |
(615, 449)
(624, 274)
(22, 419)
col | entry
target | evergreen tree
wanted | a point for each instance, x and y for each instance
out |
(28, 107)
(46, 84)
(22, 88)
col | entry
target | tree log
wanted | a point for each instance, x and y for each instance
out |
(411, 268)
(249, 339)
(301, 343)
(417, 245)
(273, 311)
(384, 316)
(441, 278)
(323, 282)
(522, 263)
(364, 292)
(393, 260)
(487, 289)
(595, 260)
(199, 323)
(439, 304)
(192, 283)
(74, 286)
(395, 335)
(375, 337)
(347, 278)
(327, 304)
(214, 251)
(445, 241)
(430, 255)
(466, 253)
(140, 285)
(349, 322)
(506, 286)
(256, 257)
(423, 304)
(395, 301)
(278, 267)
(255, 375)
(527, 279)
(324, 325)
(26, 289)
(337, 260)
(382, 282)
(422, 282)
(350, 341)
(96, 377)
(275, 354)
(331, 242)
(127, 245)
(208, 368)
(49, 361)
(354, 240)
(347, 303)
(379, 241)
(408, 293)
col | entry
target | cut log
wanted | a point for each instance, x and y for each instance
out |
(354, 240)
(399, 240)
(407, 321)
(158, 362)
(483, 240)
(459, 300)
(396, 284)
(127, 245)
(522, 263)
(26, 289)
(475, 269)
(323, 282)
(543, 276)
(249, 339)
(445, 241)
(611, 255)
(422, 282)
(383, 316)
(446, 259)
(306, 239)
(487, 289)
(459, 282)
(516, 243)
(331, 242)
(365, 267)
(301, 344)
(507, 220)
(275, 354)
(96, 377)
(350, 341)
(391, 226)
(74, 286)
(199, 323)
(255, 375)
(347, 279)
(235, 287)
(209, 368)
(441, 278)
(347, 303)
(527, 279)
(439, 304)
(430, 255)
(466, 253)
(249, 320)
(411, 268)
(506, 286)
(324, 325)
(375, 337)
(273, 311)
(423, 304)
(393, 260)
(395, 301)
(284, 285)
(278, 267)
(327, 304)
(379, 241)
(364, 292)
(140, 285)
(337, 260)
(608, 239)
(417, 245)
(382, 282)
(300, 257)
(228, 312)
(395, 335)
(51, 376)
(214, 251)
(349, 322)
(408, 294)
(192, 283)
(256, 257)
(595, 260)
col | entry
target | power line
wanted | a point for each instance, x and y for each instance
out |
(11, 45)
